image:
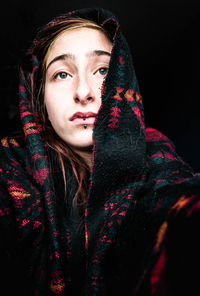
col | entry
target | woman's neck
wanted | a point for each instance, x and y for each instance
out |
(86, 155)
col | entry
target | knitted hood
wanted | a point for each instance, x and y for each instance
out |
(120, 122)
(131, 163)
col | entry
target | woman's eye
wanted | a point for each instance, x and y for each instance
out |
(61, 75)
(103, 71)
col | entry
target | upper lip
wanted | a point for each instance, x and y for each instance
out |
(83, 115)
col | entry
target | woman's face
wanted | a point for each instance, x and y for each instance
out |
(77, 64)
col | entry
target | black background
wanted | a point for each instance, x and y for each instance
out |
(164, 40)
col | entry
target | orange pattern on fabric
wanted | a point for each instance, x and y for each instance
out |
(129, 95)
(180, 203)
(138, 97)
(57, 287)
(30, 128)
(19, 194)
(117, 95)
(4, 142)
(160, 235)
(14, 142)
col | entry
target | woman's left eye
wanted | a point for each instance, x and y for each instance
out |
(103, 71)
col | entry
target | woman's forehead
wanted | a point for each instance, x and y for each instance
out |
(73, 43)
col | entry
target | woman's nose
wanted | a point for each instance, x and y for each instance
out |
(84, 92)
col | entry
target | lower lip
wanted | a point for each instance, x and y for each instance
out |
(80, 121)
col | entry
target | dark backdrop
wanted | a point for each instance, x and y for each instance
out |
(163, 36)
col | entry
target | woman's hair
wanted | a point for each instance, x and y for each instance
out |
(41, 48)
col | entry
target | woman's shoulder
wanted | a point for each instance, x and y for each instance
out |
(161, 151)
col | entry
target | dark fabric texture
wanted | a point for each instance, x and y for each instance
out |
(143, 199)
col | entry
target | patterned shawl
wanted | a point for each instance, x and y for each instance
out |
(138, 184)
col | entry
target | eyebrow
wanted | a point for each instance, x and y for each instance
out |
(65, 56)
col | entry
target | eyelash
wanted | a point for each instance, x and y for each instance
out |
(58, 75)
(104, 68)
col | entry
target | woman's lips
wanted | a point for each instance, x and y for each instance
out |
(83, 118)
(82, 121)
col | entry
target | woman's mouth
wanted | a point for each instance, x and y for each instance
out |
(87, 118)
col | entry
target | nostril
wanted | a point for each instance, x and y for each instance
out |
(83, 100)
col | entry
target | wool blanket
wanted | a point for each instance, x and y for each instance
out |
(142, 212)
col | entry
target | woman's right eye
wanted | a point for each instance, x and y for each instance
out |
(61, 75)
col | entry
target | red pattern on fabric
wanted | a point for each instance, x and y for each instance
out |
(163, 155)
(41, 175)
(137, 112)
(158, 284)
(153, 135)
(114, 120)
(21, 88)
(121, 61)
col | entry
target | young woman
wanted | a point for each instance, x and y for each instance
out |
(92, 200)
